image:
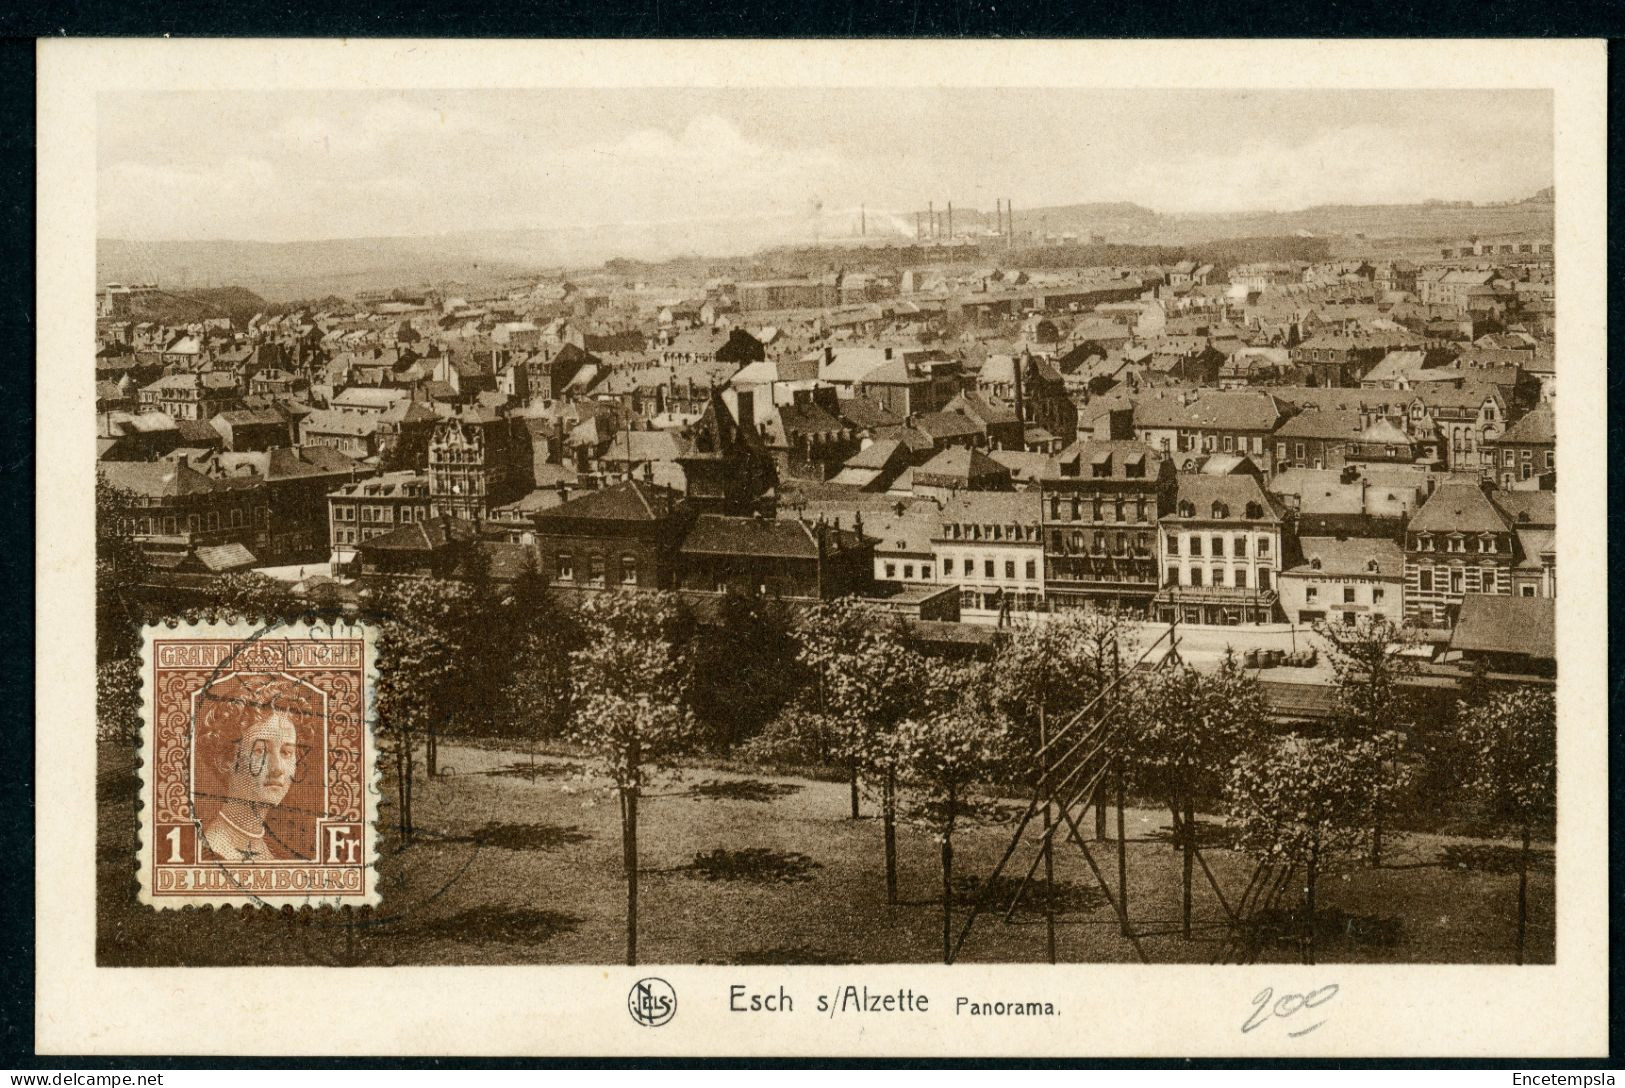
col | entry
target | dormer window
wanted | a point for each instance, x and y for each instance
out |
(1186, 509)
(1254, 511)
(1314, 564)
(1220, 510)
(1371, 566)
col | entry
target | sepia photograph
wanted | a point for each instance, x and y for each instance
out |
(824, 549)
(817, 527)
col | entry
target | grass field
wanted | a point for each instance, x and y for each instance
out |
(511, 867)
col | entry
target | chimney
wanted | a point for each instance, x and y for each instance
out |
(950, 220)
(1016, 368)
(931, 211)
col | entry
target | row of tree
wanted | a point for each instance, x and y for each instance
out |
(633, 680)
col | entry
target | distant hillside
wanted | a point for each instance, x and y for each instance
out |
(492, 258)
(1130, 223)
(180, 307)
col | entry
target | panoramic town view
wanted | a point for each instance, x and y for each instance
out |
(818, 528)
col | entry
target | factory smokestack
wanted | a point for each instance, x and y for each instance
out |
(950, 220)
(931, 210)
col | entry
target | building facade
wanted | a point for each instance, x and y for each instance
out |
(1100, 504)
(1221, 548)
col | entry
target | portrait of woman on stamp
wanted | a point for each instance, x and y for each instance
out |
(254, 735)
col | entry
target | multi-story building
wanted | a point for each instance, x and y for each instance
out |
(1462, 420)
(365, 509)
(476, 461)
(1345, 580)
(775, 557)
(1184, 424)
(624, 536)
(991, 544)
(1527, 450)
(1220, 551)
(1459, 542)
(174, 512)
(191, 395)
(1099, 504)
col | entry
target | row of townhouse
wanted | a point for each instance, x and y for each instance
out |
(1111, 525)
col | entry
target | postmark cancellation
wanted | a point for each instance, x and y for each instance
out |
(258, 765)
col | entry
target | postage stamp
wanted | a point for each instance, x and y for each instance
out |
(258, 769)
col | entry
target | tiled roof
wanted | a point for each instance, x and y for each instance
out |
(1459, 507)
(422, 536)
(1538, 426)
(630, 500)
(1493, 623)
(155, 479)
(781, 538)
(1350, 557)
(1232, 492)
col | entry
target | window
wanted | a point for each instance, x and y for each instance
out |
(1424, 581)
(948, 563)
(1455, 579)
(629, 570)
(987, 568)
(1032, 569)
(1551, 457)
(1196, 576)
(1196, 546)
(1218, 576)
(891, 571)
(1376, 594)
(1010, 569)
(1218, 547)
(1301, 454)
(1241, 547)
(1173, 543)
(1229, 444)
(1241, 579)
(236, 517)
(595, 569)
(1348, 594)
(1263, 547)
(1264, 579)
(1506, 458)
(1487, 580)
(567, 568)
(1528, 591)
(908, 572)
(169, 526)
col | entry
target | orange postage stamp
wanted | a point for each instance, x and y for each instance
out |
(258, 766)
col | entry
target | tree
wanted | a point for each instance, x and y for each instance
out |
(825, 634)
(1511, 738)
(1306, 803)
(538, 691)
(1186, 729)
(748, 656)
(1370, 661)
(419, 656)
(120, 566)
(632, 681)
(871, 687)
(942, 754)
(1043, 673)
(247, 593)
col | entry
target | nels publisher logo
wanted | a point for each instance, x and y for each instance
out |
(652, 1002)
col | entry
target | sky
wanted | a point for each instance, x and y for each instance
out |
(282, 166)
